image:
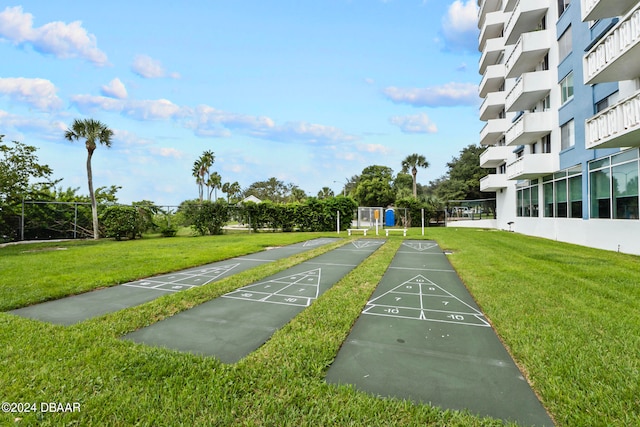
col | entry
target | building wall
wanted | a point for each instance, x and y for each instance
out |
(610, 234)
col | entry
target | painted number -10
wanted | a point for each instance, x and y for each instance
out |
(455, 317)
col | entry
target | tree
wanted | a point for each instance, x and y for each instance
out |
(18, 167)
(232, 190)
(201, 172)
(462, 181)
(92, 131)
(411, 163)
(374, 186)
(325, 193)
(213, 183)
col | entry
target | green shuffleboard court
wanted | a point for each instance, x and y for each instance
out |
(77, 308)
(237, 323)
(422, 337)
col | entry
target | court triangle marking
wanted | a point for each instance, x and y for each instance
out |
(422, 299)
(420, 246)
(295, 289)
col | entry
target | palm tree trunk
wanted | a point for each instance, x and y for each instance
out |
(414, 172)
(94, 207)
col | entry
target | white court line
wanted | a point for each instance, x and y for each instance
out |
(334, 264)
(422, 269)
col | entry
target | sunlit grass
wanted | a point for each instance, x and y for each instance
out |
(568, 314)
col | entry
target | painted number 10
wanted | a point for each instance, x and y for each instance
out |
(455, 317)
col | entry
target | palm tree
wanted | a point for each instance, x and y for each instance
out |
(198, 173)
(325, 193)
(413, 162)
(91, 131)
(201, 171)
(213, 183)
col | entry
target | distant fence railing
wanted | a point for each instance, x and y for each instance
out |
(469, 210)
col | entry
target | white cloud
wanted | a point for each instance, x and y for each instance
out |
(115, 89)
(167, 152)
(418, 123)
(460, 26)
(148, 109)
(447, 95)
(56, 38)
(39, 93)
(373, 148)
(206, 121)
(159, 109)
(149, 68)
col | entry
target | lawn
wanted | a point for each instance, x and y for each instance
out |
(569, 315)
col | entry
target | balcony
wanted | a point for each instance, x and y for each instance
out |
(598, 9)
(487, 6)
(492, 105)
(615, 56)
(525, 18)
(533, 166)
(617, 126)
(492, 80)
(509, 5)
(493, 131)
(528, 53)
(492, 28)
(529, 128)
(493, 157)
(529, 90)
(493, 182)
(491, 54)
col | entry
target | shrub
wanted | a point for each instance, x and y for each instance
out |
(122, 221)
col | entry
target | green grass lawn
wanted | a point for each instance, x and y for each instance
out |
(569, 315)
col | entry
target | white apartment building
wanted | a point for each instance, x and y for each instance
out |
(561, 89)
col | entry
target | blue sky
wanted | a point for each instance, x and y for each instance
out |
(310, 92)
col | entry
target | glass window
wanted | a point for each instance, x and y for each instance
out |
(534, 201)
(567, 135)
(625, 191)
(566, 88)
(561, 198)
(562, 5)
(600, 194)
(564, 44)
(575, 196)
(548, 199)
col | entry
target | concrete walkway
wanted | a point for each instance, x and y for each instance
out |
(422, 337)
(77, 308)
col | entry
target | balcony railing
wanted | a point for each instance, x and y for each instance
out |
(493, 182)
(528, 52)
(599, 9)
(493, 131)
(493, 157)
(492, 79)
(492, 28)
(487, 6)
(492, 105)
(529, 128)
(529, 90)
(615, 57)
(491, 53)
(533, 166)
(525, 18)
(617, 126)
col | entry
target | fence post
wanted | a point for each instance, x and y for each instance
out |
(338, 222)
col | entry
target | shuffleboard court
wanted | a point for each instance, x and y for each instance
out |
(77, 308)
(422, 337)
(237, 323)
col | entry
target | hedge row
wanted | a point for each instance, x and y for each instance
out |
(311, 215)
